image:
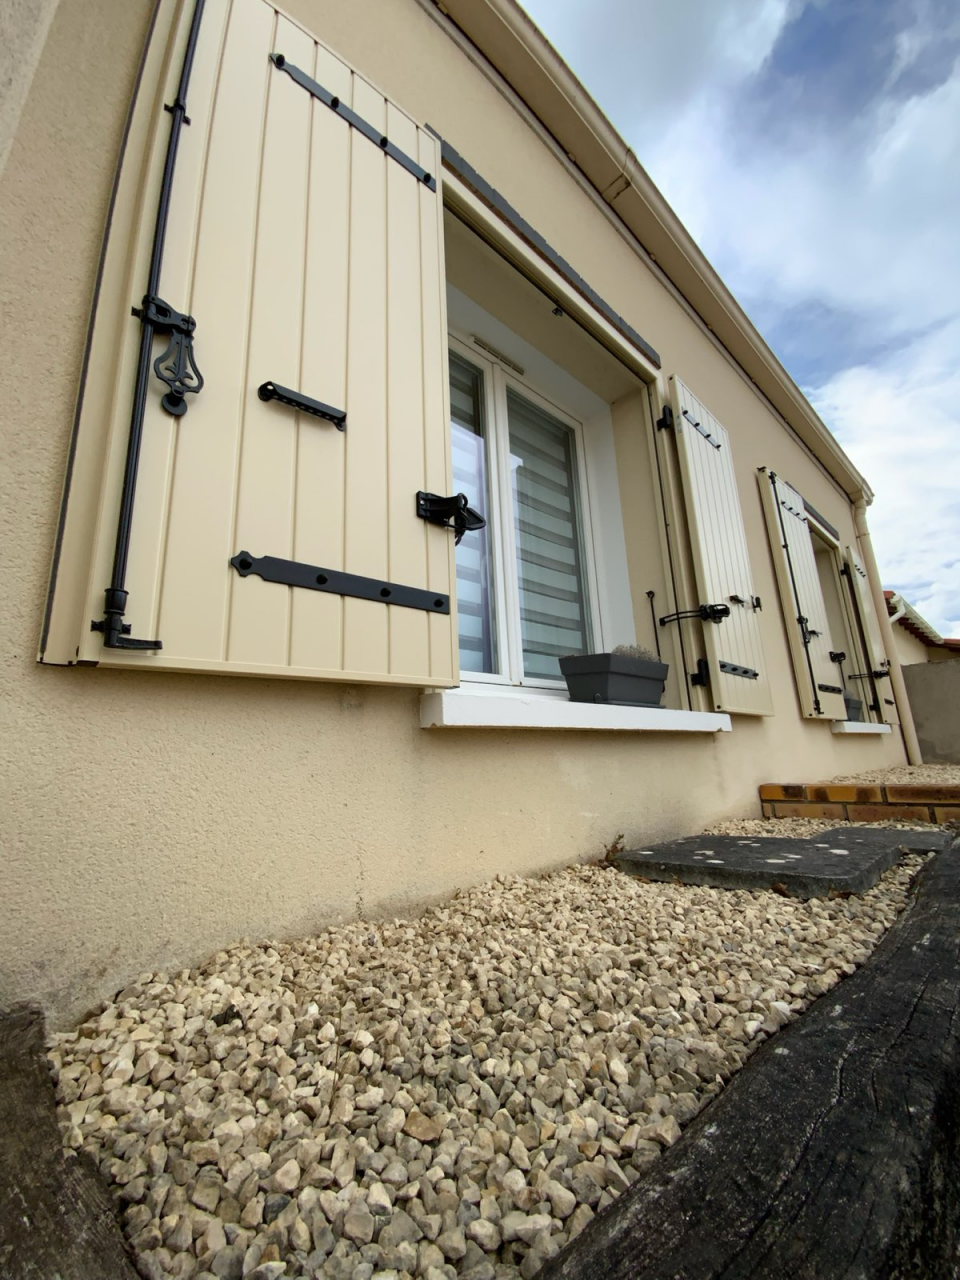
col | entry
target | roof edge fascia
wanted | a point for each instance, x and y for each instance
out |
(517, 49)
(915, 623)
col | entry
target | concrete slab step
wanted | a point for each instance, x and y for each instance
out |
(843, 860)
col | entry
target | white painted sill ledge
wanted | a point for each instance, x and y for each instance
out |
(857, 726)
(465, 708)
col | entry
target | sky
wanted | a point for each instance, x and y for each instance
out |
(812, 148)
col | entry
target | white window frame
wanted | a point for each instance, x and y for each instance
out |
(498, 379)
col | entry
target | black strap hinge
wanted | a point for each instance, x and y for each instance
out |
(313, 577)
(356, 122)
(452, 513)
(706, 612)
(176, 366)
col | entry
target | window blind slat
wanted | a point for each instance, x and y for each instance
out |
(553, 614)
(470, 471)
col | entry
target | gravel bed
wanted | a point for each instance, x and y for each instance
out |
(455, 1095)
(919, 775)
(783, 828)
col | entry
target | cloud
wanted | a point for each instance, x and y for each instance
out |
(899, 425)
(812, 149)
(855, 220)
(647, 63)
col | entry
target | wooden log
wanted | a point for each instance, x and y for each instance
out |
(835, 1153)
(57, 1219)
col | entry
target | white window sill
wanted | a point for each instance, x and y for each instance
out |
(466, 708)
(857, 726)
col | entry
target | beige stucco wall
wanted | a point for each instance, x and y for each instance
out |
(153, 818)
(934, 691)
(910, 650)
(23, 30)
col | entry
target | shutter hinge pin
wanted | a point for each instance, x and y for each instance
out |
(116, 632)
(701, 677)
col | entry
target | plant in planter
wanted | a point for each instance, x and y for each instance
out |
(627, 676)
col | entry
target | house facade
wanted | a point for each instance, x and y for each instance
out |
(914, 639)
(280, 284)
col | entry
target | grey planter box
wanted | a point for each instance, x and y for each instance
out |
(854, 707)
(610, 677)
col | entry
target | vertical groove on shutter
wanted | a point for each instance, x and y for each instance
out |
(313, 259)
(437, 461)
(721, 558)
(407, 550)
(258, 620)
(876, 654)
(160, 447)
(317, 618)
(802, 597)
(195, 605)
(365, 624)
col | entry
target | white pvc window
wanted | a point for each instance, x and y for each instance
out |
(476, 608)
(523, 593)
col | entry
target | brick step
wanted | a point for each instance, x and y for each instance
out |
(861, 802)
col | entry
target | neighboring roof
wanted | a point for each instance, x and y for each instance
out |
(510, 41)
(908, 618)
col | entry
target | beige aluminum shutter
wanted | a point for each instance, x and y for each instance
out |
(312, 259)
(877, 680)
(808, 632)
(738, 678)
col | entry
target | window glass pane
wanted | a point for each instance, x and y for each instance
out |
(475, 604)
(553, 605)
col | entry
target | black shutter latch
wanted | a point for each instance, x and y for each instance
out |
(452, 513)
(176, 366)
(706, 612)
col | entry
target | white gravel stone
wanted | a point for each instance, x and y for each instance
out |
(287, 1177)
(917, 775)
(452, 1095)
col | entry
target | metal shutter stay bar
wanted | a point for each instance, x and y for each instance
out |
(176, 367)
(296, 400)
(697, 426)
(294, 573)
(357, 122)
(733, 669)
(705, 612)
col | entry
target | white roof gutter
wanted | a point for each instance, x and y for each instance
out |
(507, 37)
